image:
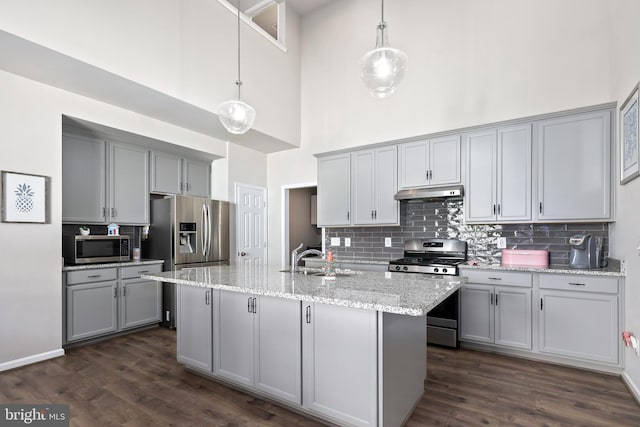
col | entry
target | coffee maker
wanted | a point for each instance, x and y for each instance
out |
(585, 251)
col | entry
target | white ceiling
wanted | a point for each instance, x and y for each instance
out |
(305, 6)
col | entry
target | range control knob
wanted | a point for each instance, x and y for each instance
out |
(397, 268)
(444, 270)
(405, 268)
(436, 269)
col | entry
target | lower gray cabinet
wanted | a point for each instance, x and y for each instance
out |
(256, 342)
(340, 365)
(194, 339)
(92, 309)
(141, 302)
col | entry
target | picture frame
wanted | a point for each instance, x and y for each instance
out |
(629, 130)
(25, 198)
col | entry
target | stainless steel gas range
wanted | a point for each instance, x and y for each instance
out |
(436, 257)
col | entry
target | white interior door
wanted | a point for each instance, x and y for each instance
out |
(251, 220)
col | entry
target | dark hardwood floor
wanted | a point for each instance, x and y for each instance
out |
(134, 380)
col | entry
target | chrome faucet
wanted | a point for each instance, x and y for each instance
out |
(295, 256)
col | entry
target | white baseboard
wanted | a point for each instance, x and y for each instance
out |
(31, 359)
(633, 388)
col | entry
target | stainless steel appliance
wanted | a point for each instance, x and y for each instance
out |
(585, 251)
(453, 192)
(186, 232)
(436, 257)
(95, 248)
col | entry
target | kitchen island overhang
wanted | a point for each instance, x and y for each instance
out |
(355, 353)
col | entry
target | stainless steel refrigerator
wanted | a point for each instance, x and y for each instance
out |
(186, 232)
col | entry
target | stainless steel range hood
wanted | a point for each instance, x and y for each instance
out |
(432, 193)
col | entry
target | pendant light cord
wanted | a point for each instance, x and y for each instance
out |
(382, 14)
(239, 81)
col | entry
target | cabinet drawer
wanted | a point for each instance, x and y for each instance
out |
(137, 270)
(92, 275)
(503, 278)
(605, 285)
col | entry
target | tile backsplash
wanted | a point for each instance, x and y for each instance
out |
(445, 219)
(134, 232)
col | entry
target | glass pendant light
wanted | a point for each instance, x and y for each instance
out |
(236, 115)
(383, 68)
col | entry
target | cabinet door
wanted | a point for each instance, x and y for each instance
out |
(513, 317)
(92, 310)
(166, 173)
(363, 181)
(334, 195)
(579, 324)
(141, 302)
(414, 164)
(480, 188)
(233, 337)
(128, 184)
(444, 160)
(476, 313)
(386, 185)
(197, 178)
(514, 174)
(83, 180)
(278, 348)
(194, 319)
(340, 363)
(574, 175)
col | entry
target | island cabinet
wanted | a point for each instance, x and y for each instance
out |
(334, 190)
(498, 179)
(373, 184)
(495, 308)
(428, 162)
(174, 174)
(579, 317)
(114, 183)
(104, 301)
(194, 327)
(257, 343)
(574, 168)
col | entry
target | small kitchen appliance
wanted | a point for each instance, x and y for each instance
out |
(437, 257)
(585, 251)
(92, 249)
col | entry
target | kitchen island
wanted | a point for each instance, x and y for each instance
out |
(350, 350)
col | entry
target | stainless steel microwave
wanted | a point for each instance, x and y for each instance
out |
(95, 249)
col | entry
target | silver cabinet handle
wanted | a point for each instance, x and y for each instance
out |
(348, 216)
(490, 299)
(249, 310)
(124, 291)
(255, 306)
(498, 208)
(115, 292)
(94, 276)
(371, 214)
(308, 314)
(496, 300)
(104, 212)
(577, 284)
(540, 207)
(143, 271)
(494, 209)
(494, 278)
(207, 297)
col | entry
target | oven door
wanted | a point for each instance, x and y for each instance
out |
(442, 323)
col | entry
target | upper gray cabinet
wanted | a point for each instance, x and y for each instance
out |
(104, 182)
(430, 162)
(498, 175)
(574, 168)
(373, 185)
(174, 174)
(334, 190)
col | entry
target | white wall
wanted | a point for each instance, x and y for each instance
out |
(30, 265)
(185, 48)
(625, 232)
(470, 63)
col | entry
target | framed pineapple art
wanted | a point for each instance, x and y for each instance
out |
(25, 198)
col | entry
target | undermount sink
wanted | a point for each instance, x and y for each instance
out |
(310, 271)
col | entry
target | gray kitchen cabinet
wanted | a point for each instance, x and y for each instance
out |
(91, 304)
(194, 327)
(340, 366)
(83, 180)
(256, 341)
(497, 314)
(174, 174)
(141, 302)
(579, 317)
(574, 167)
(373, 185)
(334, 190)
(430, 162)
(498, 179)
(128, 184)
(104, 182)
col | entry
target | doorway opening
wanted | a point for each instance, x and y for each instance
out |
(299, 220)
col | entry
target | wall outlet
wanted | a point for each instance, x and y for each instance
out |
(387, 242)
(335, 241)
(347, 242)
(502, 242)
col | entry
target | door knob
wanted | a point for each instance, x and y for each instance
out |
(243, 254)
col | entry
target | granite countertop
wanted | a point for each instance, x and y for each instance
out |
(559, 269)
(112, 264)
(399, 293)
(350, 261)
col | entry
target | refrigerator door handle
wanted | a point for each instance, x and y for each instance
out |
(203, 230)
(209, 226)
